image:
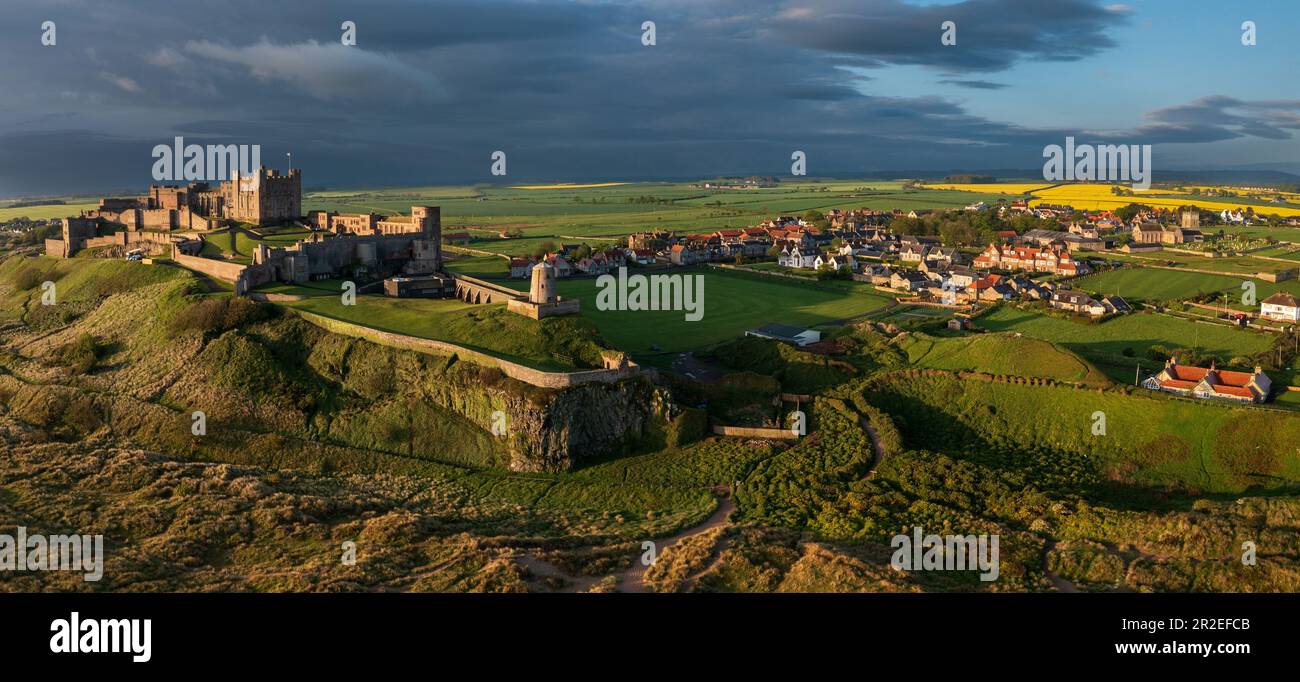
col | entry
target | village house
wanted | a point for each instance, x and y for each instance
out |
(521, 268)
(1211, 383)
(1235, 217)
(1031, 259)
(639, 256)
(878, 275)
(1077, 302)
(908, 280)
(990, 288)
(793, 257)
(563, 268)
(830, 262)
(684, 254)
(1281, 307)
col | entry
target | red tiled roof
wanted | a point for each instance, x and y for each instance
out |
(1233, 378)
(1172, 383)
(1233, 390)
(1184, 373)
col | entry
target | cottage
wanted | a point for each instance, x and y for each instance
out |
(1211, 383)
(793, 257)
(640, 256)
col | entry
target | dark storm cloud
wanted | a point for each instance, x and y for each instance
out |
(992, 35)
(565, 88)
(1223, 118)
(974, 84)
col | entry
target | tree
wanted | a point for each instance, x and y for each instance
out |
(543, 249)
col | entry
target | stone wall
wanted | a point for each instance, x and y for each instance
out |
(754, 432)
(528, 375)
(222, 270)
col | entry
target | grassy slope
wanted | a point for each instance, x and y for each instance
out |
(1148, 440)
(1000, 354)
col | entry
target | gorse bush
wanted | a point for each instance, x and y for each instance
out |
(78, 356)
(26, 278)
(216, 315)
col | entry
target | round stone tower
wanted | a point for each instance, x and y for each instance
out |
(542, 291)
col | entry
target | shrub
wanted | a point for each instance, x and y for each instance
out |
(27, 278)
(78, 356)
(689, 426)
(216, 315)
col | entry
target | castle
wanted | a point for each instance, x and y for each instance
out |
(265, 197)
(410, 246)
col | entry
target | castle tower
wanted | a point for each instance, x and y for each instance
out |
(542, 291)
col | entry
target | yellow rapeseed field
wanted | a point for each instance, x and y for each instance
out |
(567, 185)
(992, 187)
(1092, 197)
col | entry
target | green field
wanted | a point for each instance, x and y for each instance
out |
(1135, 331)
(1150, 284)
(1149, 439)
(554, 344)
(733, 303)
(1245, 265)
(46, 212)
(563, 214)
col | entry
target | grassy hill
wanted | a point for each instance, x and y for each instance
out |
(1006, 354)
(1150, 440)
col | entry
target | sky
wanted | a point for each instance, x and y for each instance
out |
(569, 92)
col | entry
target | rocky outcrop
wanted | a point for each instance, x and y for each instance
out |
(555, 429)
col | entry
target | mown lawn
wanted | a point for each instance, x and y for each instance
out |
(554, 344)
(733, 303)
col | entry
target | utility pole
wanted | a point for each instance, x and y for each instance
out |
(290, 155)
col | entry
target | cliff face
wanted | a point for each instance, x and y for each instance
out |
(579, 423)
(552, 429)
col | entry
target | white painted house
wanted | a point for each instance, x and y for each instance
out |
(1281, 306)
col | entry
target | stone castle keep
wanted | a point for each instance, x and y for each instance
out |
(404, 251)
(407, 246)
(266, 197)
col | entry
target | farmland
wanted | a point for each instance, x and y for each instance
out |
(1099, 196)
(614, 209)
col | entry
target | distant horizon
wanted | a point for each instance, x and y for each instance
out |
(1002, 175)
